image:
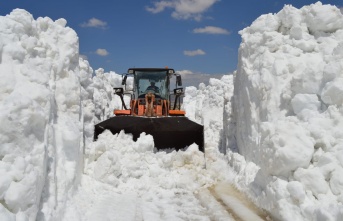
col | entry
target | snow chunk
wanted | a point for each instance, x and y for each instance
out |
(5, 214)
(107, 168)
(336, 181)
(264, 23)
(325, 18)
(305, 102)
(296, 191)
(287, 146)
(333, 92)
(144, 143)
(313, 180)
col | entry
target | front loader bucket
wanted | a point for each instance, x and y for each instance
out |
(168, 132)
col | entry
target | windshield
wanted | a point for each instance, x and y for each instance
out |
(154, 82)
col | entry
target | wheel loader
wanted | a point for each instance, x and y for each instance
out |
(154, 108)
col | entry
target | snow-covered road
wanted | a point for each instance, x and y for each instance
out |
(127, 180)
(219, 202)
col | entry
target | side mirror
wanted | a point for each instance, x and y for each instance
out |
(178, 91)
(178, 80)
(123, 82)
(118, 90)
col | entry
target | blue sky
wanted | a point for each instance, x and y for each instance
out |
(198, 36)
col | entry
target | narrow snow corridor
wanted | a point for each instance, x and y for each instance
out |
(273, 130)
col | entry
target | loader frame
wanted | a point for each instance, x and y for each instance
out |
(154, 112)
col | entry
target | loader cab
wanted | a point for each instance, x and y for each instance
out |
(145, 79)
(150, 93)
(152, 82)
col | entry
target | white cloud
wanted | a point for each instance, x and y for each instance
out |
(102, 52)
(194, 53)
(185, 72)
(341, 9)
(183, 9)
(160, 6)
(211, 30)
(95, 23)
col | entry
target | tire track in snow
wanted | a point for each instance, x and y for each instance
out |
(240, 208)
(216, 211)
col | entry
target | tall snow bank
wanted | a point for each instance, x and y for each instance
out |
(43, 92)
(288, 111)
(100, 100)
(211, 106)
(105, 100)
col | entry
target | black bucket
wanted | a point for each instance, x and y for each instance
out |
(168, 132)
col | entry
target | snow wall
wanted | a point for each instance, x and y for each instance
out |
(47, 111)
(40, 131)
(49, 103)
(281, 130)
(288, 112)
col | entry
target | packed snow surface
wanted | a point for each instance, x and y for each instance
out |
(274, 130)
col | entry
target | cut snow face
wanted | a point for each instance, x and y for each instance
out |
(40, 113)
(288, 113)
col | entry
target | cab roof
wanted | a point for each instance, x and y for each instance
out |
(150, 70)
